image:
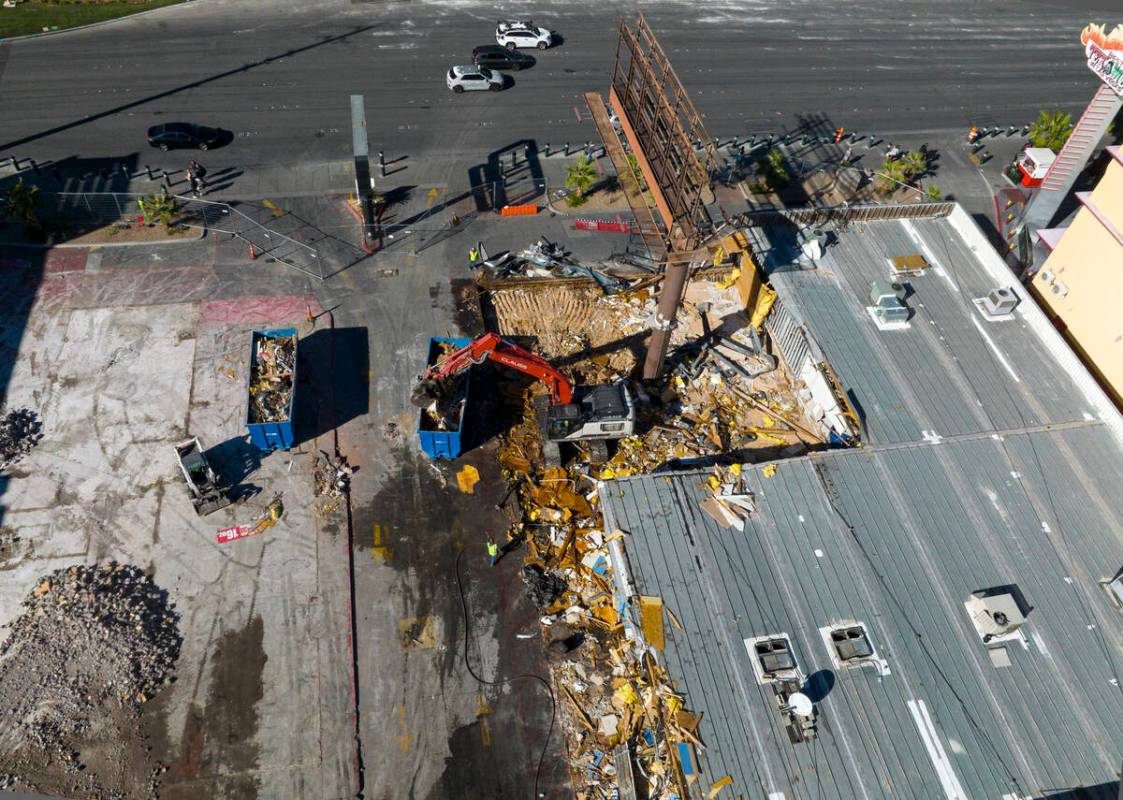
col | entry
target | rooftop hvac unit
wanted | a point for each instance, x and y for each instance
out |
(998, 304)
(886, 308)
(996, 615)
(1115, 589)
(812, 242)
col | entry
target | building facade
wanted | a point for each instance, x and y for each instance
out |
(1080, 285)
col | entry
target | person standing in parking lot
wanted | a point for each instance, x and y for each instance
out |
(200, 172)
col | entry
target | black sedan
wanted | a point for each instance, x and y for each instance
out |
(182, 134)
(493, 56)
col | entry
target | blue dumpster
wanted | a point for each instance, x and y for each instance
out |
(435, 441)
(271, 388)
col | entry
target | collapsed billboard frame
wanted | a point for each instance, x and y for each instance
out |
(662, 125)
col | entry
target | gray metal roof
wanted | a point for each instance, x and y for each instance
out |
(930, 524)
(950, 373)
(985, 465)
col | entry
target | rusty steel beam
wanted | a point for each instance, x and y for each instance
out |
(653, 239)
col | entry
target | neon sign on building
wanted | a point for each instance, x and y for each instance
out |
(1105, 54)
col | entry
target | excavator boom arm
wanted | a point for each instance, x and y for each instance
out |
(492, 346)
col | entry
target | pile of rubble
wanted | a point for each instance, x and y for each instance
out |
(565, 323)
(90, 640)
(622, 709)
(547, 259)
(271, 378)
(20, 430)
(333, 481)
(442, 401)
(725, 400)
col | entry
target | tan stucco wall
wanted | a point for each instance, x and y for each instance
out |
(1089, 261)
(1108, 195)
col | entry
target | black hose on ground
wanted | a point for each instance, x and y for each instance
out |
(545, 683)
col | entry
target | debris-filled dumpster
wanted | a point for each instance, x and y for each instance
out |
(272, 388)
(441, 423)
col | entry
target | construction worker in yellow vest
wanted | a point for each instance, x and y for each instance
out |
(492, 552)
(473, 258)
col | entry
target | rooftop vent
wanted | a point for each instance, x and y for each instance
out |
(998, 304)
(996, 614)
(773, 659)
(849, 646)
(775, 656)
(1115, 588)
(886, 306)
(812, 242)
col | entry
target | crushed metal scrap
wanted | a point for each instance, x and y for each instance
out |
(271, 377)
(332, 476)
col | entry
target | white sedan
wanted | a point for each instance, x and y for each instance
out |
(472, 78)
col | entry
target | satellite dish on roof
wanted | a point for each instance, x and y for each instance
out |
(801, 705)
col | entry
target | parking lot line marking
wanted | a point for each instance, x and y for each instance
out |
(379, 552)
(403, 738)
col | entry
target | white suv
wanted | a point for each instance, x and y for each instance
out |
(512, 33)
(473, 78)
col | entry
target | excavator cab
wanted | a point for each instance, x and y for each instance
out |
(597, 414)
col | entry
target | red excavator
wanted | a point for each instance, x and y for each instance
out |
(588, 414)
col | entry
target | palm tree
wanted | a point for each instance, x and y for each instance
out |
(1051, 130)
(161, 207)
(933, 194)
(891, 175)
(22, 205)
(580, 178)
(775, 173)
(914, 164)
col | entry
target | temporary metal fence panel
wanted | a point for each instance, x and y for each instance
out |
(270, 244)
(107, 208)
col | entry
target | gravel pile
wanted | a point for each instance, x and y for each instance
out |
(91, 640)
(20, 430)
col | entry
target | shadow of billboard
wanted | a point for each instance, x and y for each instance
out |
(511, 176)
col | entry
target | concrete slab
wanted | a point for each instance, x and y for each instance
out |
(262, 701)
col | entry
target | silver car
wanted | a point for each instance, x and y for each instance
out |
(473, 78)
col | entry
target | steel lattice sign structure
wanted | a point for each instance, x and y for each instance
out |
(661, 126)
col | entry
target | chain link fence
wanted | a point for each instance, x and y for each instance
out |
(101, 209)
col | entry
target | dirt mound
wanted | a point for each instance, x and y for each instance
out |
(92, 645)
